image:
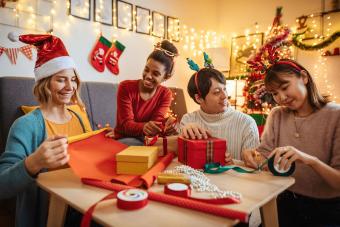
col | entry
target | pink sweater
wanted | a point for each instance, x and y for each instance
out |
(319, 136)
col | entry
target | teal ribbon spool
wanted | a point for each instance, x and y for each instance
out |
(215, 167)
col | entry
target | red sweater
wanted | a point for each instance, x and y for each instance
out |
(133, 111)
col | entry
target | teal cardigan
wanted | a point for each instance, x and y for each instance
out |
(25, 136)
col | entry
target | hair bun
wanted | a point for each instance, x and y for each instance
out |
(167, 45)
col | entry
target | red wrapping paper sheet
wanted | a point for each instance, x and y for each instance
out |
(95, 158)
(176, 201)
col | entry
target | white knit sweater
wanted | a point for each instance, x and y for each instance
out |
(237, 128)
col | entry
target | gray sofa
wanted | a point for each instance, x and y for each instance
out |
(99, 99)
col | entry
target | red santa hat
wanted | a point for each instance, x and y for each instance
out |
(52, 56)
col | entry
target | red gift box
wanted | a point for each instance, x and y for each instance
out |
(196, 153)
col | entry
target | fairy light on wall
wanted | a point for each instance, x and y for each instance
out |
(320, 75)
(195, 42)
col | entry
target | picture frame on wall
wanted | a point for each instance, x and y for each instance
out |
(80, 9)
(242, 48)
(158, 24)
(173, 29)
(143, 19)
(124, 15)
(103, 11)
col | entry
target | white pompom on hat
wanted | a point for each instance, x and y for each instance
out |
(52, 56)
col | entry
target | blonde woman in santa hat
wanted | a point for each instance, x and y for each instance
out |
(37, 141)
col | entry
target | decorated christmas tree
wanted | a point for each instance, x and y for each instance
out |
(276, 46)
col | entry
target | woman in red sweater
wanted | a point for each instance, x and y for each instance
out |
(143, 105)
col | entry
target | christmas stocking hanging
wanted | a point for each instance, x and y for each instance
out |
(112, 56)
(98, 53)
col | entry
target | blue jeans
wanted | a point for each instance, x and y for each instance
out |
(132, 141)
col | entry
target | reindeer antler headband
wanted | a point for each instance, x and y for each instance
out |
(195, 67)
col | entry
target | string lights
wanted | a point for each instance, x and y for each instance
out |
(314, 32)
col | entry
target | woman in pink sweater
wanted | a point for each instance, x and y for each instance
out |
(304, 129)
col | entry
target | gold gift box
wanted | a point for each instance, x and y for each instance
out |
(167, 178)
(136, 160)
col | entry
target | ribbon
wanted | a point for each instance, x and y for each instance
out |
(151, 140)
(176, 201)
(215, 168)
(128, 199)
(86, 220)
(210, 151)
(183, 190)
(132, 199)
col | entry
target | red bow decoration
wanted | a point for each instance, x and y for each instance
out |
(151, 140)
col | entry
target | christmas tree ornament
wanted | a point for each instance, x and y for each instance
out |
(97, 56)
(112, 56)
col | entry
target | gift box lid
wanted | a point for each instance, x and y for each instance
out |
(203, 141)
(138, 154)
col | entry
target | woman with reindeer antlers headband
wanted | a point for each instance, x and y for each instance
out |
(304, 129)
(143, 105)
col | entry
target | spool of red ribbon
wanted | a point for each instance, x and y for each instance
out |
(132, 199)
(177, 189)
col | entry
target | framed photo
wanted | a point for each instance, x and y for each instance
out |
(330, 5)
(242, 48)
(173, 28)
(80, 9)
(103, 11)
(143, 18)
(124, 15)
(158, 24)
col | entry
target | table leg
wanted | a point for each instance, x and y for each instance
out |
(269, 214)
(56, 212)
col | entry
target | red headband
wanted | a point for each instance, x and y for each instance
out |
(196, 84)
(295, 66)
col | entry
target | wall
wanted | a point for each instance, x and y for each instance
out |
(223, 16)
(236, 16)
(79, 37)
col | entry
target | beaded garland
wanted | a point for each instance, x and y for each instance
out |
(201, 183)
